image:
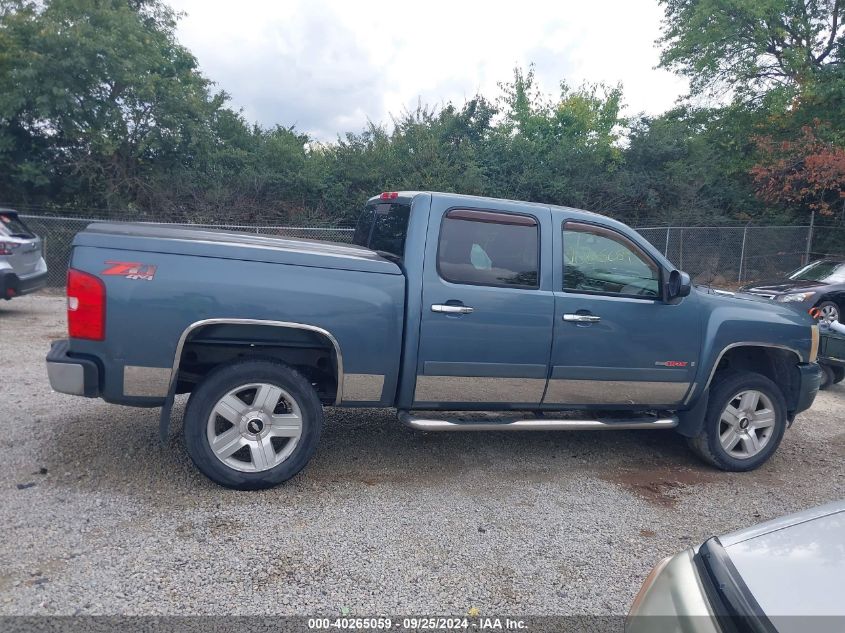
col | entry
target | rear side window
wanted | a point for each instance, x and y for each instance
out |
(383, 227)
(13, 226)
(489, 249)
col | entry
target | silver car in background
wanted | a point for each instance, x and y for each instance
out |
(781, 576)
(22, 265)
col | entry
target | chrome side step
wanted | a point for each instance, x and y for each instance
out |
(538, 424)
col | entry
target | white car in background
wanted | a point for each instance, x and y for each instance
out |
(22, 266)
(783, 576)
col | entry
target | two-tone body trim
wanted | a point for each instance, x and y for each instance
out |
(627, 392)
(479, 389)
(363, 387)
(146, 382)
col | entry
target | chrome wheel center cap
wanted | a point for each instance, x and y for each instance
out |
(254, 424)
(743, 423)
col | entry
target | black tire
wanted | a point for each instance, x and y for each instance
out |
(726, 384)
(838, 374)
(219, 383)
(831, 304)
(828, 377)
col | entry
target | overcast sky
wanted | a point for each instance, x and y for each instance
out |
(327, 67)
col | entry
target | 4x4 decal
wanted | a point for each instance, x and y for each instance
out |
(130, 270)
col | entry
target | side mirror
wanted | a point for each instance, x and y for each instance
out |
(679, 285)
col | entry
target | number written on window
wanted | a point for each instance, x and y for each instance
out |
(599, 260)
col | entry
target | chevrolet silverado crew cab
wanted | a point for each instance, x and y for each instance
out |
(443, 304)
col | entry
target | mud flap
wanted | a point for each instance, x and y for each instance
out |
(691, 420)
(164, 419)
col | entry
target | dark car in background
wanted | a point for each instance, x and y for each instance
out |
(22, 266)
(819, 284)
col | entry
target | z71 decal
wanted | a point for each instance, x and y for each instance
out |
(130, 270)
(672, 363)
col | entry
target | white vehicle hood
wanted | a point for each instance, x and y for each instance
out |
(795, 565)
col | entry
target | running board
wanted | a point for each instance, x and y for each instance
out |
(537, 424)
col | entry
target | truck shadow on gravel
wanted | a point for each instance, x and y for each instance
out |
(371, 449)
(9, 311)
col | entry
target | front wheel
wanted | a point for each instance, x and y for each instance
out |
(830, 312)
(252, 424)
(827, 376)
(744, 424)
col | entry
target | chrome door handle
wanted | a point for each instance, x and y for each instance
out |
(582, 318)
(447, 309)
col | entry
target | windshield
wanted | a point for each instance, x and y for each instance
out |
(382, 227)
(12, 226)
(826, 271)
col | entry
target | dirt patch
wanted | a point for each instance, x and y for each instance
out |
(660, 486)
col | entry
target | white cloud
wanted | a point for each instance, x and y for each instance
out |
(327, 67)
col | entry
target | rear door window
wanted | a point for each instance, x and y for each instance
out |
(489, 249)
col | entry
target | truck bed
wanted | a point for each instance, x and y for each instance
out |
(195, 276)
(234, 245)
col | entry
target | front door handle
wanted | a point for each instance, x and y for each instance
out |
(582, 318)
(448, 309)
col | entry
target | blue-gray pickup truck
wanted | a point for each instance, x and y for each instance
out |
(443, 304)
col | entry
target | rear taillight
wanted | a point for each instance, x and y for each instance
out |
(86, 306)
(8, 248)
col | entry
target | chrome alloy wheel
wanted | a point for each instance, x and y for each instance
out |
(254, 427)
(829, 313)
(747, 424)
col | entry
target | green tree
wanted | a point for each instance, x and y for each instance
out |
(689, 165)
(96, 98)
(559, 150)
(753, 46)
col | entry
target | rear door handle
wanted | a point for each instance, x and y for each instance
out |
(582, 318)
(447, 309)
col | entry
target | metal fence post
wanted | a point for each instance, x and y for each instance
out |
(681, 250)
(809, 237)
(742, 252)
(666, 247)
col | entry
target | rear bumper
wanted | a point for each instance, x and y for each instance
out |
(13, 286)
(809, 378)
(33, 282)
(71, 374)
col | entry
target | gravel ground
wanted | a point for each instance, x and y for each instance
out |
(98, 518)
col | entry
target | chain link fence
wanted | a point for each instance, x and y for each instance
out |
(730, 256)
(723, 256)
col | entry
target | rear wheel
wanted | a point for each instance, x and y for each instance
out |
(838, 374)
(252, 424)
(744, 424)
